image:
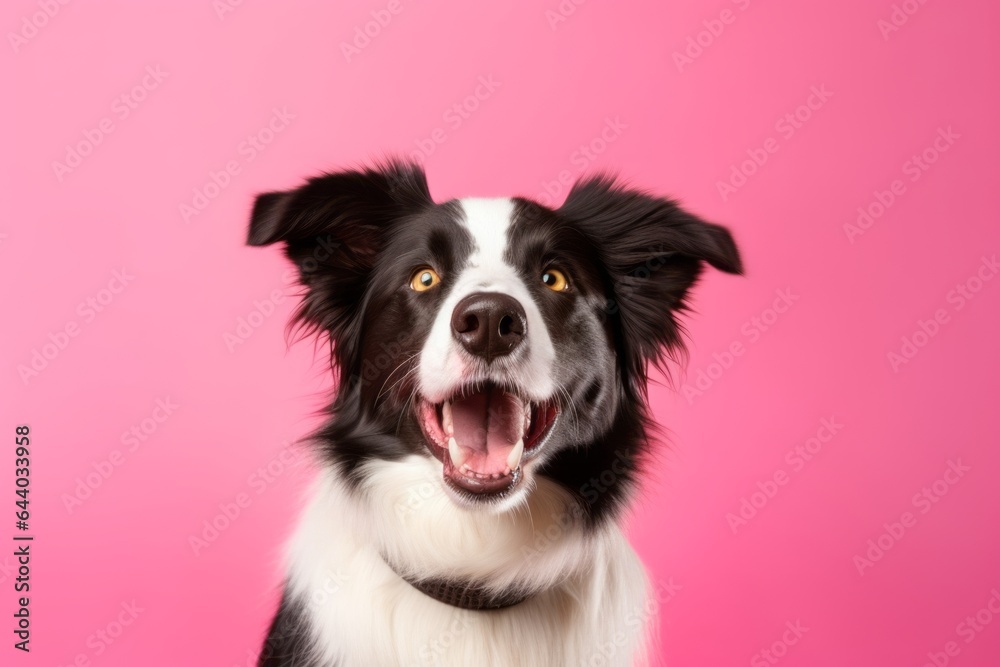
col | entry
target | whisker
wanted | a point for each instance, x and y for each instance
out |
(388, 377)
(406, 407)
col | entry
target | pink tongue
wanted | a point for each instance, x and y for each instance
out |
(487, 425)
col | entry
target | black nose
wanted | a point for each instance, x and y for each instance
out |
(489, 324)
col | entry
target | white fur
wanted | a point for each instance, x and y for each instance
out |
(591, 611)
(444, 365)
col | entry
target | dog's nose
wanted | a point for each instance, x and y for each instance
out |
(489, 324)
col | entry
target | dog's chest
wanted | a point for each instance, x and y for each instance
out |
(376, 618)
(362, 613)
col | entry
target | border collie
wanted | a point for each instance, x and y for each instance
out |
(490, 417)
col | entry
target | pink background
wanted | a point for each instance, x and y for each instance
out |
(556, 85)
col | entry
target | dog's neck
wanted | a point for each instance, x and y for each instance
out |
(468, 558)
(465, 595)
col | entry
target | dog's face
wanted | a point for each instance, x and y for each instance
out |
(501, 338)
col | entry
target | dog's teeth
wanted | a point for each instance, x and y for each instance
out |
(514, 458)
(457, 453)
(446, 420)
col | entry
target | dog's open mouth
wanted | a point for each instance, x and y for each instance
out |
(483, 434)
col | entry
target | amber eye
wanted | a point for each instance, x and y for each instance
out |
(424, 278)
(555, 280)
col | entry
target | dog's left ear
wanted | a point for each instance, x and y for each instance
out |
(653, 252)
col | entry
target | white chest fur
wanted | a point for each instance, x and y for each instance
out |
(363, 614)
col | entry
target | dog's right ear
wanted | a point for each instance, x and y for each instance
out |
(653, 252)
(333, 228)
(265, 220)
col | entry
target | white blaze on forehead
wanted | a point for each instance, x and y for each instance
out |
(488, 220)
(443, 363)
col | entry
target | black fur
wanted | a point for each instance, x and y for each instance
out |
(288, 640)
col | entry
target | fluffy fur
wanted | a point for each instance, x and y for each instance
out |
(390, 504)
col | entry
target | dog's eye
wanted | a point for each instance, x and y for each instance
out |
(424, 278)
(555, 280)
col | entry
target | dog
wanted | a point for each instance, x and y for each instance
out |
(490, 418)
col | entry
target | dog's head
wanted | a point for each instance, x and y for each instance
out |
(505, 339)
